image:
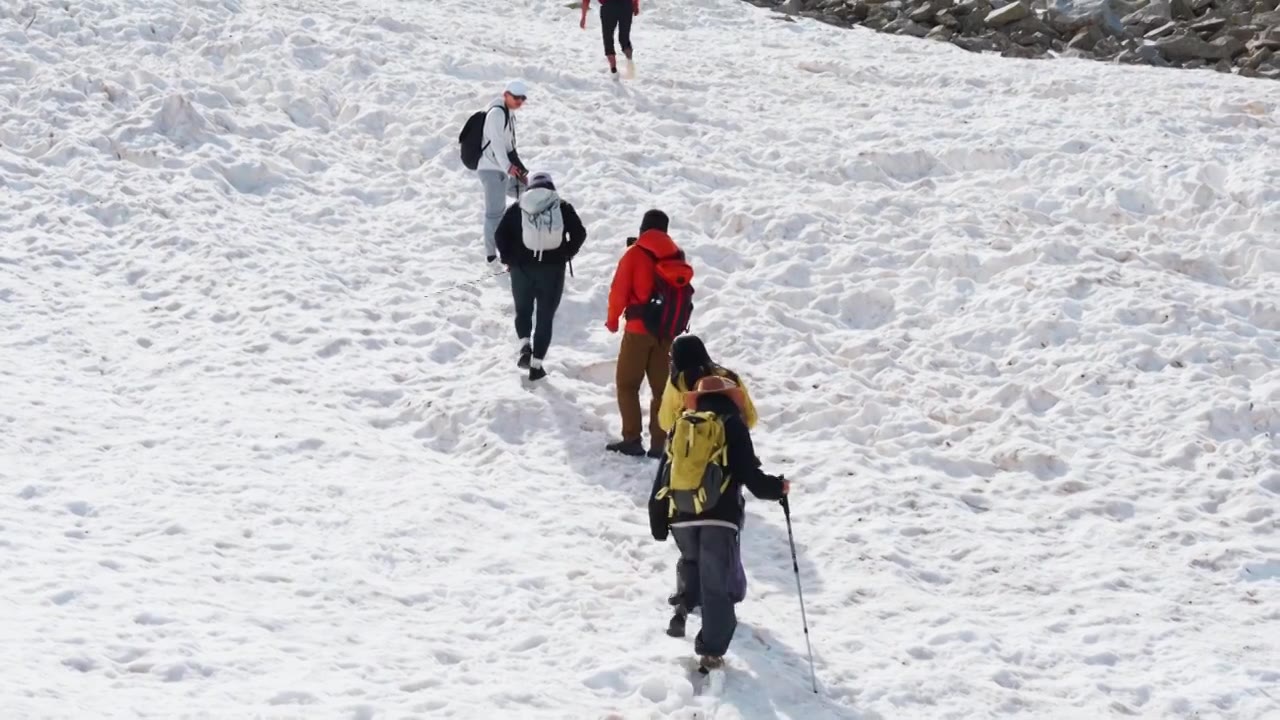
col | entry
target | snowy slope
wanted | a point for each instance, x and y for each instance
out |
(1013, 327)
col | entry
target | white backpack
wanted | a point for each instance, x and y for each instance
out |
(543, 227)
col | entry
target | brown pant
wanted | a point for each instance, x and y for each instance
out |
(642, 356)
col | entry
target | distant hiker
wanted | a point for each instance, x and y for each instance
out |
(537, 237)
(698, 497)
(615, 15)
(652, 288)
(488, 143)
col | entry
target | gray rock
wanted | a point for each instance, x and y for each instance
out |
(1149, 55)
(1257, 58)
(1104, 13)
(945, 18)
(973, 24)
(941, 32)
(1155, 13)
(1228, 47)
(1208, 26)
(1107, 48)
(1086, 38)
(1186, 48)
(1181, 10)
(1163, 30)
(1018, 51)
(973, 7)
(1008, 14)
(858, 10)
(903, 26)
(976, 44)
(791, 7)
(1269, 40)
(924, 13)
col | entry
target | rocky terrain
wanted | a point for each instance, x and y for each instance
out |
(1237, 36)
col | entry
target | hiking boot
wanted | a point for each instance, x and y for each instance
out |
(535, 369)
(626, 447)
(526, 354)
(711, 662)
(675, 628)
(656, 452)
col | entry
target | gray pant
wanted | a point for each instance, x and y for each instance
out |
(497, 186)
(707, 563)
(543, 285)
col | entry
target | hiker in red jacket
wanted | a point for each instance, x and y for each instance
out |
(652, 263)
(615, 15)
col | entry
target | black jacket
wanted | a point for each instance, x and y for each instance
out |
(743, 469)
(510, 238)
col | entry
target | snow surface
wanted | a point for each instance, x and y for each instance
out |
(1013, 328)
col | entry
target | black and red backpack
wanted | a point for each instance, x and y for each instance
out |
(670, 306)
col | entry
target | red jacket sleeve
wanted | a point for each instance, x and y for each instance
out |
(632, 283)
(620, 290)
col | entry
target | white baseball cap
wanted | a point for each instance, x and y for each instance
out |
(517, 88)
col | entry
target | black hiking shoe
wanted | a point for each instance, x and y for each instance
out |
(656, 452)
(675, 628)
(626, 447)
(711, 662)
(526, 354)
(490, 258)
(537, 373)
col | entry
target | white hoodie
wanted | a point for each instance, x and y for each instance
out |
(499, 141)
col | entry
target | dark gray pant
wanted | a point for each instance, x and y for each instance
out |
(616, 15)
(706, 566)
(540, 286)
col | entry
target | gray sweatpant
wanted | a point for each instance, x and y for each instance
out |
(497, 186)
(706, 565)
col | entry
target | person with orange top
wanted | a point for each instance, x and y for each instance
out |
(652, 289)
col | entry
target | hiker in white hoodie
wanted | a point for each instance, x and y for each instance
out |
(500, 170)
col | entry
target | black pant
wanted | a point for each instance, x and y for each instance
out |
(616, 15)
(541, 285)
(706, 567)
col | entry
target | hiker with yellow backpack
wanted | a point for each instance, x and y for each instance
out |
(697, 497)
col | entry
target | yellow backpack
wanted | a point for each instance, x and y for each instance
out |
(695, 475)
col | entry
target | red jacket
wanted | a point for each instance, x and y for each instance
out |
(633, 280)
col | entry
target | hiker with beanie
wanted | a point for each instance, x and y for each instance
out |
(651, 287)
(537, 237)
(615, 15)
(698, 499)
(500, 170)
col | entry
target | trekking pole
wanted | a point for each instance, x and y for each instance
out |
(478, 280)
(795, 564)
